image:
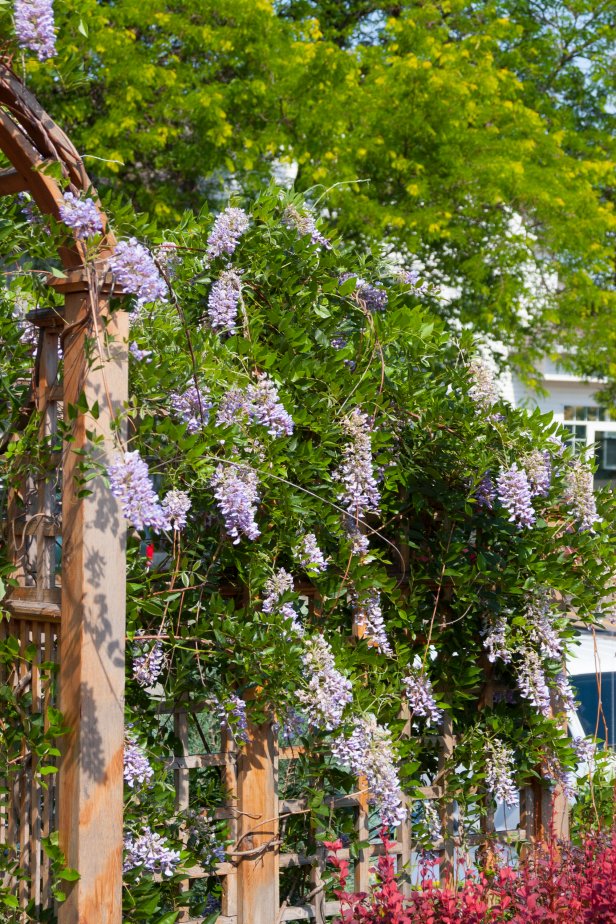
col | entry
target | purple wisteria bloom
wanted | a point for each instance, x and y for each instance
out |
(495, 640)
(565, 693)
(237, 492)
(411, 278)
(137, 768)
(585, 749)
(531, 681)
(232, 716)
(266, 408)
(136, 272)
(150, 851)
(328, 691)
(130, 482)
(148, 662)
(202, 840)
(483, 390)
(223, 301)
(176, 505)
(360, 491)
(369, 622)
(34, 27)
(233, 408)
(309, 554)
(372, 298)
(579, 495)
(514, 493)
(226, 232)
(485, 493)
(304, 224)
(420, 696)
(500, 772)
(276, 587)
(432, 821)
(81, 215)
(192, 406)
(140, 354)
(538, 467)
(368, 752)
(543, 632)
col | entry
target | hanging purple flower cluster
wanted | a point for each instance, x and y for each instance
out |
(309, 554)
(136, 272)
(140, 354)
(81, 215)
(34, 27)
(420, 696)
(277, 586)
(372, 298)
(226, 232)
(328, 691)
(500, 770)
(137, 768)
(148, 662)
(202, 840)
(360, 491)
(531, 681)
(370, 624)
(150, 852)
(237, 493)
(543, 633)
(261, 403)
(485, 493)
(131, 483)
(223, 301)
(176, 505)
(579, 495)
(304, 224)
(484, 390)
(555, 771)
(232, 716)
(294, 726)
(193, 407)
(368, 752)
(565, 692)
(538, 467)
(495, 640)
(411, 278)
(585, 749)
(514, 493)
(432, 821)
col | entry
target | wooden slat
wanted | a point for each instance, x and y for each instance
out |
(35, 808)
(11, 182)
(181, 777)
(362, 830)
(229, 903)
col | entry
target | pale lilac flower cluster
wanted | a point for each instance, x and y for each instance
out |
(232, 716)
(202, 840)
(411, 278)
(565, 692)
(237, 493)
(226, 232)
(359, 542)
(360, 491)
(193, 407)
(31, 213)
(294, 726)
(328, 691)
(304, 224)
(373, 298)
(140, 354)
(277, 586)
(543, 632)
(484, 390)
(420, 696)
(369, 622)
(514, 493)
(34, 27)
(232, 408)
(261, 403)
(368, 752)
(555, 771)
(432, 821)
(81, 215)
(538, 467)
(585, 749)
(310, 555)
(151, 852)
(579, 495)
(148, 662)
(531, 681)
(176, 505)
(137, 768)
(495, 640)
(136, 272)
(500, 770)
(485, 493)
(130, 482)
(223, 301)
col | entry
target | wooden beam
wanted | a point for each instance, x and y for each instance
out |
(11, 182)
(93, 625)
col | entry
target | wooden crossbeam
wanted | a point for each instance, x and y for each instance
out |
(11, 182)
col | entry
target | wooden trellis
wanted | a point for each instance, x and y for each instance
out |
(69, 556)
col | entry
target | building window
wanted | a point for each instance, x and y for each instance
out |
(578, 437)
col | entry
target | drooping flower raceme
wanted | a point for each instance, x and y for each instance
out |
(585, 749)
(579, 496)
(176, 505)
(369, 622)
(148, 662)
(538, 467)
(226, 232)
(432, 821)
(223, 301)
(137, 768)
(495, 640)
(500, 770)
(140, 354)
(420, 696)
(531, 681)
(543, 633)
(373, 298)
(237, 493)
(369, 752)
(34, 27)
(484, 390)
(151, 852)
(267, 409)
(485, 493)
(328, 691)
(276, 587)
(310, 555)
(131, 483)
(304, 224)
(202, 840)
(232, 716)
(136, 272)
(81, 215)
(360, 491)
(514, 493)
(192, 406)
(565, 693)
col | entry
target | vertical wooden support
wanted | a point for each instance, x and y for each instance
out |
(447, 819)
(93, 614)
(258, 869)
(182, 780)
(362, 829)
(229, 885)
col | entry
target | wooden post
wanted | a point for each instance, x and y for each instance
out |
(93, 614)
(258, 869)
